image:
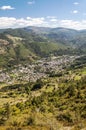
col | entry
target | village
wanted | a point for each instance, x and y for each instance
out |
(40, 69)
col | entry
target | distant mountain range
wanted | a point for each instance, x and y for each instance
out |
(24, 45)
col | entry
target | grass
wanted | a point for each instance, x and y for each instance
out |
(77, 77)
(25, 128)
(52, 106)
(83, 71)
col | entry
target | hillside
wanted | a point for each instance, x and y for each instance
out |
(30, 43)
(19, 45)
(42, 79)
(54, 102)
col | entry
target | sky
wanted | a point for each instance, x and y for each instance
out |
(43, 13)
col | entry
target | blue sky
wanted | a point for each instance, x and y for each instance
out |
(47, 13)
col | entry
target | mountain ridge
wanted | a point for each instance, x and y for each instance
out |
(30, 43)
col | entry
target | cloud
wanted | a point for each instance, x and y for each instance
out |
(72, 24)
(75, 11)
(76, 3)
(31, 2)
(36, 19)
(6, 7)
(53, 20)
(11, 22)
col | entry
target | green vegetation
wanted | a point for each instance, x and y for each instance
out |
(56, 102)
(51, 103)
(28, 44)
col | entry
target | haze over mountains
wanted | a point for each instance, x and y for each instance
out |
(30, 43)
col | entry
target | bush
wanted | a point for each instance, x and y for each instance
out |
(30, 121)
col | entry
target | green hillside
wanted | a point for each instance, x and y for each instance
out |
(42, 79)
(23, 46)
(56, 102)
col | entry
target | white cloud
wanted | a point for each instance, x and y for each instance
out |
(75, 11)
(76, 3)
(72, 24)
(6, 7)
(53, 20)
(36, 19)
(11, 22)
(31, 2)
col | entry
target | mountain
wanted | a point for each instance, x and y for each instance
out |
(44, 94)
(69, 37)
(38, 30)
(23, 45)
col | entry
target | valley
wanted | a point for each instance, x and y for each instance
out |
(39, 69)
(42, 79)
